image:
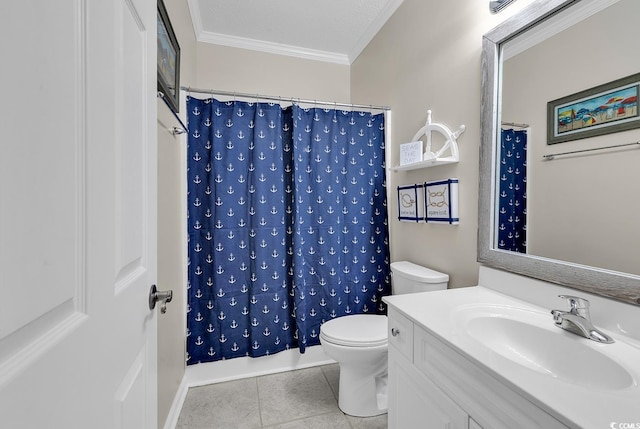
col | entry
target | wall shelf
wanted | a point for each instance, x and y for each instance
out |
(424, 164)
(433, 158)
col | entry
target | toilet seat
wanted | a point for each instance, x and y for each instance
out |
(358, 330)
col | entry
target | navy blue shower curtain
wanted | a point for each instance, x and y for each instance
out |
(287, 225)
(512, 192)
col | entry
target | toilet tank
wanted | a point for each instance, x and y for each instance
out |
(408, 277)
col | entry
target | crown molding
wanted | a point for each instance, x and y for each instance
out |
(272, 48)
(259, 45)
(290, 50)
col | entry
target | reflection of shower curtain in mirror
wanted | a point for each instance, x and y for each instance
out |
(512, 192)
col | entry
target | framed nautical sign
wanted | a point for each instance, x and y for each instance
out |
(411, 203)
(441, 201)
(168, 59)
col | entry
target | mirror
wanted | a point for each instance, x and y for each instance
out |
(580, 207)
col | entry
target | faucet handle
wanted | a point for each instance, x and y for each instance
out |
(577, 305)
(575, 302)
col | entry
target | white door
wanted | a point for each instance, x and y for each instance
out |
(77, 214)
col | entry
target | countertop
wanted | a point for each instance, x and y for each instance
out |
(575, 404)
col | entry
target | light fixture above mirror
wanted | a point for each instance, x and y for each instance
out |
(496, 6)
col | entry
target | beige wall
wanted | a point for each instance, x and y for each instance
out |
(242, 70)
(171, 263)
(428, 56)
(581, 208)
(171, 246)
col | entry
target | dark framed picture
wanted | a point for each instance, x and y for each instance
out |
(168, 59)
(604, 109)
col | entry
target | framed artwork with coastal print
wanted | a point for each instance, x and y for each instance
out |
(604, 109)
(168, 59)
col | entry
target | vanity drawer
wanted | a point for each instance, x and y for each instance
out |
(400, 333)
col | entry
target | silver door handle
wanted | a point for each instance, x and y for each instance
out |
(159, 296)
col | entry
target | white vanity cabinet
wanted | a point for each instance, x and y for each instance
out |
(433, 386)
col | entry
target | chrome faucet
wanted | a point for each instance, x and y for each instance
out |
(578, 320)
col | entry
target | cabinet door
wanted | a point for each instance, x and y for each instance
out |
(400, 333)
(415, 402)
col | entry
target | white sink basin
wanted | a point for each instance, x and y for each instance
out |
(531, 340)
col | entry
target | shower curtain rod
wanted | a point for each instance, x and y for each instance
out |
(514, 124)
(291, 100)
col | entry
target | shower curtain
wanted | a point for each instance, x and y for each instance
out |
(287, 225)
(512, 192)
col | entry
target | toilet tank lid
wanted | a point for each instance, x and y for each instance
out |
(417, 272)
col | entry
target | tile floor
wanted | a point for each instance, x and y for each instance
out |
(306, 398)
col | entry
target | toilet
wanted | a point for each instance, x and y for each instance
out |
(359, 344)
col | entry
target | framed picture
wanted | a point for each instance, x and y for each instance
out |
(411, 203)
(168, 59)
(441, 201)
(608, 108)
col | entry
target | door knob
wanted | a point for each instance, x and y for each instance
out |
(159, 296)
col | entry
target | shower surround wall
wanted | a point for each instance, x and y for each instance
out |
(287, 225)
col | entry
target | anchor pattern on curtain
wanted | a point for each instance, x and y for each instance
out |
(287, 225)
(512, 191)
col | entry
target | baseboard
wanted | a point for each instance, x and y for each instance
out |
(246, 367)
(176, 406)
(239, 368)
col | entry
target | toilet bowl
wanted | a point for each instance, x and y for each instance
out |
(359, 344)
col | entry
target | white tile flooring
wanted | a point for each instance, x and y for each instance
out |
(306, 398)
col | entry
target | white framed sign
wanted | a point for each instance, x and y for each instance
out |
(410, 152)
